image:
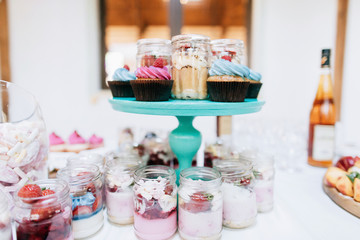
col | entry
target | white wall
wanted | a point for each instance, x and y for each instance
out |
(55, 54)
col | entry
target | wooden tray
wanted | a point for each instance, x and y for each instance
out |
(346, 202)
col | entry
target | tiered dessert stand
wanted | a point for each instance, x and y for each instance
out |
(185, 140)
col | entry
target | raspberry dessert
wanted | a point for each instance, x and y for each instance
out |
(43, 211)
(155, 202)
(200, 204)
(5, 223)
(119, 182)
(240, 208)
(86, 184)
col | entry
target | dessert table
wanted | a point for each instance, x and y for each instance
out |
(301, 211)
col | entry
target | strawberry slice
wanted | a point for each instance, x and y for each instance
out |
(159, 62)
(30, 191)
(126, 67)
(227, 58)
(91, 188)
(47, 192)
(199, 202)
(96, 204)
(169, 189)
(82, 210)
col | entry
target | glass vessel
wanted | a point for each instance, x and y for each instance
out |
(119, 181)
(228, 49)
(86, 192)
(240, 208)
(200, 204)
(5, 223)
(93, 158)
(46, 217)
(151, 49)
(155, 194)
(190, 64)
(23, 138)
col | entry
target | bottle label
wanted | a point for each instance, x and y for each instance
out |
(324, 142)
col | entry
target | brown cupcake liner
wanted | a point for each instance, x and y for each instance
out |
(121, 88)
(254, 89)
(221, 91)
(152, 90)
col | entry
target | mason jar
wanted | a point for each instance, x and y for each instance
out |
(264, 185)
(5, 223)
(155, 200)
(86, 188)
(150, 50)
(200, 203)
(45, 217)
(228, 49)
(240, 208)
(190, 65)
(93, 158)
(119, 181)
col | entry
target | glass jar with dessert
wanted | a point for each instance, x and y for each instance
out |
(149, 50)
(5, 223)
(119, 181)
(23, 138)
(264, 173)
(86, 192)
(228, 49)
(190, 64)
(240, 208)
(93, 158)
(43, 211)
(155, 194)
(200, 203)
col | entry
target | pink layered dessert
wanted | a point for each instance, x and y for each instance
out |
(120, 199)
(76, 143)
(200, 215)
(155, 209)
(240, 208)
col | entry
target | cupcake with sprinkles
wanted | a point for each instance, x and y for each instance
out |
(120, 84)
(228, 81)
(153, 83)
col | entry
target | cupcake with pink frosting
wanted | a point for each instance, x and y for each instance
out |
(95, 142)
(153, 83)
(56, 143)
(76, 143)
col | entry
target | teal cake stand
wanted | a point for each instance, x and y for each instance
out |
(185, 140)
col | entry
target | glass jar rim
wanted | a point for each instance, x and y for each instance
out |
(153, 41)
(92, 158)
(190, 37)
(66, 173)
(168, 173)
(233, 167)
(225, 41)
(208, 176)
(61, 193)
(126, 165)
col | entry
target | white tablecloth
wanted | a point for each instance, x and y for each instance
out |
(302, 211)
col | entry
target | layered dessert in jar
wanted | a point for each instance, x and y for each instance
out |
(200, 204)
(43, 211)
(23, 153)
(119, 181)
(155, 200)
(86, 192)
(5, 220)
(232, 50)
(190, 63)
(240, 207)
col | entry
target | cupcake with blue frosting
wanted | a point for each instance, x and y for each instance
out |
(120, 83)
(255, 84)
(227, 81)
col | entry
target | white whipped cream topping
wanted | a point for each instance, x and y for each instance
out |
(167, 202)
(122, 181)
(182, 59)
(154, 188)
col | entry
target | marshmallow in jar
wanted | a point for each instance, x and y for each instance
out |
(23, 139)
(155, 200)
(200, 204)
(240, 208)
(119, 181)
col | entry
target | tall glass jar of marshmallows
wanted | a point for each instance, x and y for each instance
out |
(200, 203)
(190, 64)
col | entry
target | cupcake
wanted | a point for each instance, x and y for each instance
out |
(56, 143)
(153, 83)
(95, 142)
(120, 85)
(255, 84)
(227, 81)
(76, 143)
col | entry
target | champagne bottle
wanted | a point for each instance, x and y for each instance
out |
(321, 142)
